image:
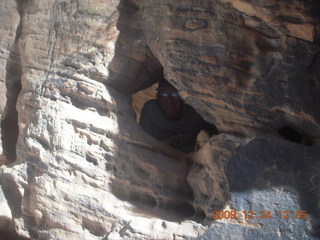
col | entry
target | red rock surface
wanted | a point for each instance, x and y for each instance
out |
(75, 163)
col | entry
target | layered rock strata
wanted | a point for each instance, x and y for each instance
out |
(78, 166)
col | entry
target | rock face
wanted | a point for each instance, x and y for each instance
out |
(76, 165)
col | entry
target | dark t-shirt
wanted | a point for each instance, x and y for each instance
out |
(182, 133)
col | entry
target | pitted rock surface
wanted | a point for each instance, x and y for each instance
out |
(76, 165)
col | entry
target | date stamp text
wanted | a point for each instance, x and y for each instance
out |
(226, 214)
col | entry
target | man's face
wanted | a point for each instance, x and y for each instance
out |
(170, 103)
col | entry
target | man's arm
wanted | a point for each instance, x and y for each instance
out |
(157, 146)
(146, 121)
(168, 151)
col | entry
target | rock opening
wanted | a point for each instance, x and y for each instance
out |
(293, 135)
(290, 134)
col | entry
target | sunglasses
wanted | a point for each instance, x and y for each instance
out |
(175, 94)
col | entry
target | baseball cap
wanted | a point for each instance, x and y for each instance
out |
(164, 84)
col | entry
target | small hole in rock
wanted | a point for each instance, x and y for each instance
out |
(181, 209)
(142, 173)
(200, 216)
(91, 160)
(93, 227)
(290, 134)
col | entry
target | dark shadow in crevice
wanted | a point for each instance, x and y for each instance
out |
(95, 228)
(290, 134)
(13, 197)
(11, 235)
(172, 207)
(9, 122)
(138, 74)
(293, 135)
(149, 74)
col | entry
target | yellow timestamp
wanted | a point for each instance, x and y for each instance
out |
(226, 214)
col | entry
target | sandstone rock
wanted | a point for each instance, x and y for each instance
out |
(82, 168)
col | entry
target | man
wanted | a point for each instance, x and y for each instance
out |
(171, 121)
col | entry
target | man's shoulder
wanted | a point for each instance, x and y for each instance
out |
(191, 115)
(150, 105)
(151, 102)
(190, 110)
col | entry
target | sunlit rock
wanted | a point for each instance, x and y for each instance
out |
(75, 164)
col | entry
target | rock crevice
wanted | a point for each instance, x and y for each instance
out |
(9, 116)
